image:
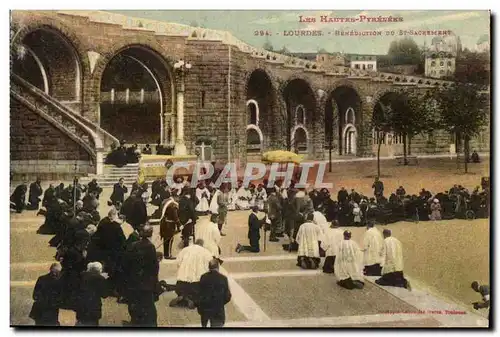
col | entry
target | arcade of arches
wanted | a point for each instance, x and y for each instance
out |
(136, 91)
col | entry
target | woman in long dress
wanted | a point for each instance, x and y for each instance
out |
(203, 196)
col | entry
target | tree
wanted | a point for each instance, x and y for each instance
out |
(322, 51)
(284, 50)
(412, 113)
(268, 46)
(381, 123)
(473, 67)
(404, 51)
(462, 112)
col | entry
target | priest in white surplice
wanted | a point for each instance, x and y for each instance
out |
(320, 220)
(308, 238)
(243, 197)
(373, 249)
(208, 231)
(232, 199)
(349, 264)
(192, 262)
(392, 271)
(333, 238)
(203, 195)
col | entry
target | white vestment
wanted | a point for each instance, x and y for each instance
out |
(192, 262)
(333, 238)
(349, 261)
(320, 220)
(202, 201)
(209, 233)
(177, 188)
(260, 198)
(373, 244)
(307, 238)
(242, 197)
(232, 200)
(393, 255)
(214, 205)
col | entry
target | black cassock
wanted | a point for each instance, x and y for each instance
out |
(109, 242)
(47, 299)
(118, 194)
(135, 211)
(187, 212)
(34, 195)
(93, 287)
(19, 198)
(214, 295)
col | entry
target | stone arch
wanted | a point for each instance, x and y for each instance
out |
(300, 118)
(58, 49)
(293, 139)
(159, 70)
(258, 131)
(256, 104)
(350, 116)
(349, 139)
(44, 86)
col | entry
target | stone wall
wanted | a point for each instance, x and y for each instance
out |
(36, 146)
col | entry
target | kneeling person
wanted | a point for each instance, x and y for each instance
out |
(349, 264)
(392, 272)
(192, 262)
(333, 239)
(208, 231)
(308, 237)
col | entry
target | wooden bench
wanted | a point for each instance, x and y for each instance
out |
(409, 159)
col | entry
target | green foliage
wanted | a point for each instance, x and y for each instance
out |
(404, 51)
(473, 67)
(462, 109)
(268, 46)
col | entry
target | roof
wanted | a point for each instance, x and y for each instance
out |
(439, 54)
(436, 40)
(359, 57)
(305, 56)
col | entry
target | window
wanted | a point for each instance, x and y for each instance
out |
(322, 58)
(300, 115)
(441, 71)
(433, 63)
(364, 67)
(356, 66)
(203, 99)
(449, 63)
(252, 116)
(370, 66)
(441, 63)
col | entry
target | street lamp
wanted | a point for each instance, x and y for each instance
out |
(181, 68)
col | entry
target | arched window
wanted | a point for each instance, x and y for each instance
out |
(433, 63)
(253, 137)
(300, 115)
(252, 112)
(350, 117)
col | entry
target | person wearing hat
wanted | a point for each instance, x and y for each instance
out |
(349, 264)
(435, 210)
(392, 271)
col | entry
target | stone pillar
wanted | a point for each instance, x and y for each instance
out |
(180, 146)
(99, 162)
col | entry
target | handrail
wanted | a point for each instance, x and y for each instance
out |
(91, 125)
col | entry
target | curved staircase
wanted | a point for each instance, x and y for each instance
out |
(92, 138)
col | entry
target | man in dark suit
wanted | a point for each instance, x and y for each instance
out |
(143, 280)
(47, 298)
(118, 195)
(93, 288)
(254, 225)
(214, 295)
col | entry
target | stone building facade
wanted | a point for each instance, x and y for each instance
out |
(235, 101)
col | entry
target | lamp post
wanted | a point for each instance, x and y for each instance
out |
(181, 69)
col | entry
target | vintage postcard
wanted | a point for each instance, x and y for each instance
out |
(250, 168)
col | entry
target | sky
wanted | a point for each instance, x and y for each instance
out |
(468, 25)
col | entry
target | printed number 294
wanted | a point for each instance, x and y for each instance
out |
(261, 33)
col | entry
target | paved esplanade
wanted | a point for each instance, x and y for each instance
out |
(268, 289)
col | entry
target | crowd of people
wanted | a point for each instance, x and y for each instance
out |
(122, 155)
(95, 259)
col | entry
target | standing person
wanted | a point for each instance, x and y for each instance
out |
(349, 264)
(378, 188)
(214, 295)
(192, 263)
(187, 215)
(222, 203)
(169, 224)
(332, 239)
(93, 287)
(93, 186)
(356, 212)
(275, 215)
(260, 197)
(47, 297)
(119, 191)
(203, 195)
(142, 281)
(36, 192)
(373, 249)
(254, 225)
(392, 271)
(435, 210)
